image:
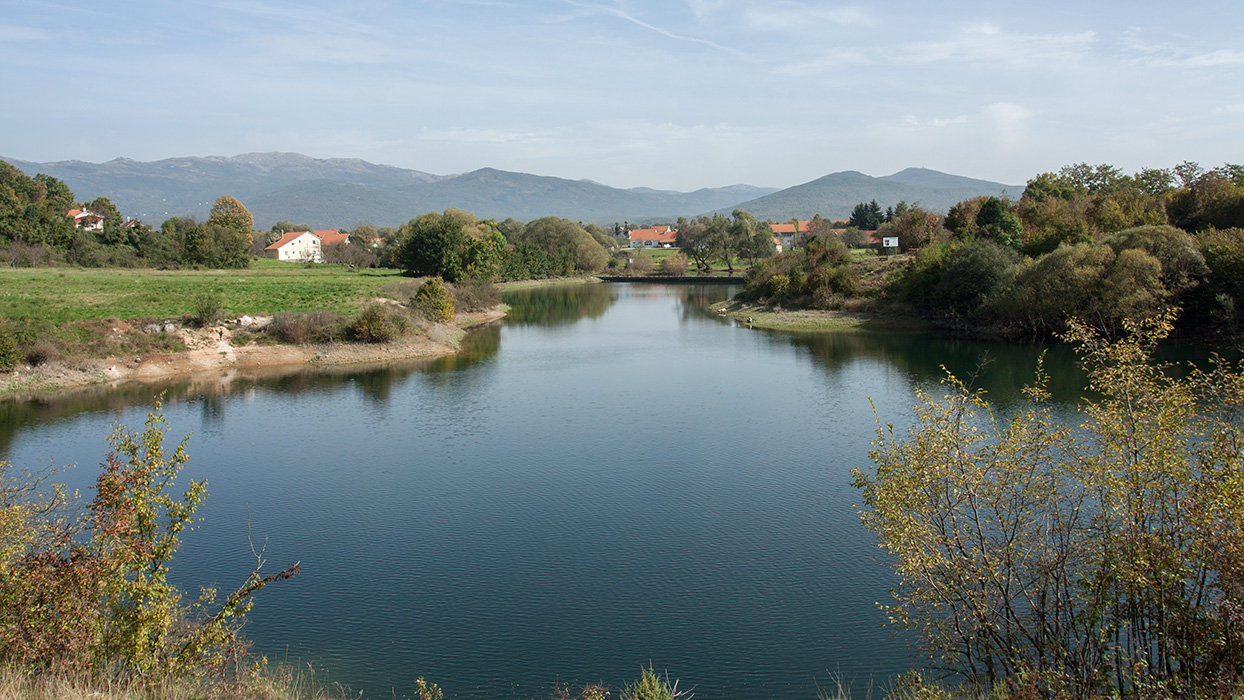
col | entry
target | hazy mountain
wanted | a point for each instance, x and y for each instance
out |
(338, 192)
(341, 192)
(835, 195)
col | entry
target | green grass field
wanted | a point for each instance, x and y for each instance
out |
(63, 295)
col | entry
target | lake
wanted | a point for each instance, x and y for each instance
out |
(613, 476)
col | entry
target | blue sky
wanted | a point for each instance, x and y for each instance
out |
(675, 94)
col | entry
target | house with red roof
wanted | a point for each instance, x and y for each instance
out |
(655, 237)
(303, 246)
(85, 220)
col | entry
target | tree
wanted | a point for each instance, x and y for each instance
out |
(995, 222)
(866, 217)
(1083, 561)
(564, 239)
(435, 244)
(914, 227)
(229, 213)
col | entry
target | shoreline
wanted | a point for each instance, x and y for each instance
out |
(210, 353)
(768, 318)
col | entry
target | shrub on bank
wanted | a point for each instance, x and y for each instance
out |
(474, 295)
(378, 323)
(433, 301)
(312, 327)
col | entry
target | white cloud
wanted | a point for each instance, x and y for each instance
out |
(911, 120)
(704, 8)
(483, 135)
(1168, 55)
(986, 43)
(629, 17)
(827, 62)
(1008, 122)
(14, 32)
(796, 17)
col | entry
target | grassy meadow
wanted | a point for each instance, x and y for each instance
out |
(66, 295)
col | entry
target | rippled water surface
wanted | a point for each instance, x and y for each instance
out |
(613, 477)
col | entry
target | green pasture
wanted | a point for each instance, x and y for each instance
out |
(63, 295)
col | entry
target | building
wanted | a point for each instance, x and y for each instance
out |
(655, 237)
(86, 220)
(304, 246)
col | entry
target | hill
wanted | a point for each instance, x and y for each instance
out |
(835, 195)
(343, 192)
(338, 192)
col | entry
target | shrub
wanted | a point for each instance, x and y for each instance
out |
(86, 590)
(675, 265)
(776, 286)
(651, 686)
(475, 295)
(377, 323)
(206, 309)
(638, 262)
(433, 301)
(1102, 559)
(9, 356)
(41, 352)
(316, 327)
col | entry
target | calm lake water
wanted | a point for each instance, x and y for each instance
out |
(612, 477)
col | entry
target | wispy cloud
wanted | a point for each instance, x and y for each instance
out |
(628, 17)
(988, 43)
(797, 17)
(1168, 55)
(913, 121)
(15, 32)
(483, 135)
(827, 62)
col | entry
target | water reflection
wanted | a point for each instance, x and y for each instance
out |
(558, 305)
(376, 382)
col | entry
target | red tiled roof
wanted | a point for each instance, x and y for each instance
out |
(331, 237)
(285, 238)
(803, 227)
(660, 234)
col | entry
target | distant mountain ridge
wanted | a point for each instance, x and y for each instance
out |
(835, 195)
(343, 192)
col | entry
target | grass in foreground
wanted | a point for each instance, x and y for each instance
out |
(63, 295)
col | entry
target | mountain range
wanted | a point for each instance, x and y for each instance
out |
(343, 192)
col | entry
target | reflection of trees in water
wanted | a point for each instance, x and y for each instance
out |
(558, 305)
(1001, 369)
(376, 383)
(693, 300)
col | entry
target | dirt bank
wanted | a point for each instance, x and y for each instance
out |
(211, 350)
(761, 316)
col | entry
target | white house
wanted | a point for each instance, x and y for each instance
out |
(301, 246)
(86, 220)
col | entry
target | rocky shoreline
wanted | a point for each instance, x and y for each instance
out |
(210, 351)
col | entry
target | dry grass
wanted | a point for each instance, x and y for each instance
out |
(282, 683)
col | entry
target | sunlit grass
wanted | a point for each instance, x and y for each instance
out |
(61, 295)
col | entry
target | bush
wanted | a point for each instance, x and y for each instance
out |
(377, 323)
(42, 351)
(651, 686)
(638, 262)
(9, 356)
(475, 295)
(299, 328)
(433, 301)
(675, 265)
(206, 309)
(87, 591)
(1091, 560)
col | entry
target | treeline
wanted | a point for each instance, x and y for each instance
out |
(36, 229)
(455, 246)
(1087, 242)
